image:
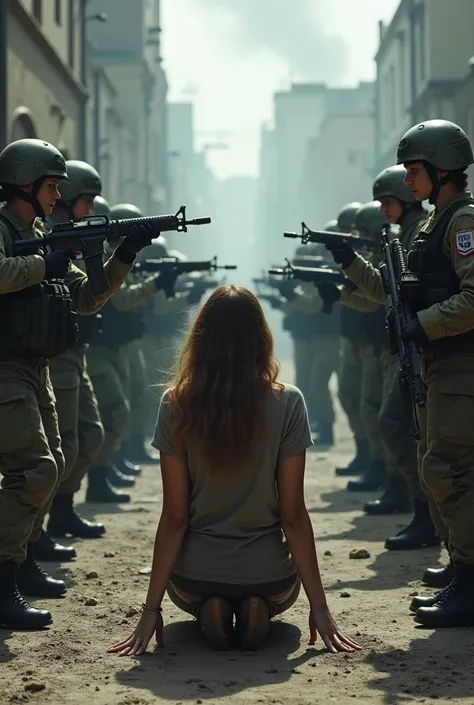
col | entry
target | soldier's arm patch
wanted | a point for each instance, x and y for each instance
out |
(465, 243)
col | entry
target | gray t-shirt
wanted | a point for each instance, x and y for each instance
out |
(234, 534)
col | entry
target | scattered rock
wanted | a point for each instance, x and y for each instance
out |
(327, 553)
(35, 687)
(109, 554)
(91, 575)
(414, 594)
(359, 553)
(345, 594)
(91, 602)
(131, 612)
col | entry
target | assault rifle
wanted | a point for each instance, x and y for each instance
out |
(86, 239)
(400, 285)
(315, 275)
(359, 244)
(166, 264)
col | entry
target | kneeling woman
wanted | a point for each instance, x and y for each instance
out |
(233, 443)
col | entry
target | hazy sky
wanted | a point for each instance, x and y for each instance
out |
(230, 56)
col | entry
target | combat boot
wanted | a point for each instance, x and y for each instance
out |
(427, 600)
(418, 534)
(34, 581)
(64, 520)
(393, 501)
(359, 463)
(137, 453)
(455, 606)
(325, 435)
(439, 577)
(46, 549)
(126, 467)
(116, 478)
(99, 489)
(371, 480)
(15, 611)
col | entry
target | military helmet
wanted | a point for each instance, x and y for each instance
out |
(441, 143)
(25, 161)
(101, 207)
(370, 218)
(391, 183)
(331, 226)
(81, 179)
(345, 219)
(122, 211)
(176, 254)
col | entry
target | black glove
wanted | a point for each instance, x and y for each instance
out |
(413, 331)
(140, 236)
(56, 264)
(342, 252)
(165, 281)
(330, 294)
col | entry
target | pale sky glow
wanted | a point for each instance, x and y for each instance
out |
(205, 48)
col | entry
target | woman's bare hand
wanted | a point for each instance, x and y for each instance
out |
(136, 644)
(321, 621)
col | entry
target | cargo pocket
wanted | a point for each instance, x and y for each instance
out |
(15, 430)
(456, 409)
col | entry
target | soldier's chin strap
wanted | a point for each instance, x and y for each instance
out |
(32, 198)
(437, 182)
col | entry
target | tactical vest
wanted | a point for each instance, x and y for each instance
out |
(438, 278)
(118, 327)
(38, 321)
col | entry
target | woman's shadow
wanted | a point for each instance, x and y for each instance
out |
(189, 670)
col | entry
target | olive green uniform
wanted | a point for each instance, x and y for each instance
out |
(316, 350)
(31, 460)
(446, 448)
(110, 370)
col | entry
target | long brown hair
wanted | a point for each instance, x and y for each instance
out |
(225, 365)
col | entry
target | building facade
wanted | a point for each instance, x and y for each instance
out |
(127, 49)
(43, 72)
(422, 61)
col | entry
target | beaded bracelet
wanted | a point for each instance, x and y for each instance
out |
(150, 608)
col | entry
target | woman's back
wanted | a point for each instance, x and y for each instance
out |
(234, 533)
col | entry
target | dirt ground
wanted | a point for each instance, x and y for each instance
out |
(400, 662)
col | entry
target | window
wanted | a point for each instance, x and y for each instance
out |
(57, 11)
(38, 9)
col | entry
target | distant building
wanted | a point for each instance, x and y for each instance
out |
(421, 62)
(42, 73)
(464, 109)
(127, 48)
(338, 167)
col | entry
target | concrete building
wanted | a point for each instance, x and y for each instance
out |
(464, 108)
(42, 91)
(338, 166)
(421, 62)
(127, 49)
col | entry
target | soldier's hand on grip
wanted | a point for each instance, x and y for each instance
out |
(56, 264)
(140, 236)
(413, 331)
(342, 252)
(329, 292)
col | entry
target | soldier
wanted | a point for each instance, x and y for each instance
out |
(372, 351)
(34, 301)
(109, 360)
(401, 208)
(436, 154)
(350, 371)
(101, 206)
(76, 405)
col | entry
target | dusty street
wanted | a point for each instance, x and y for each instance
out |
(399, 663)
